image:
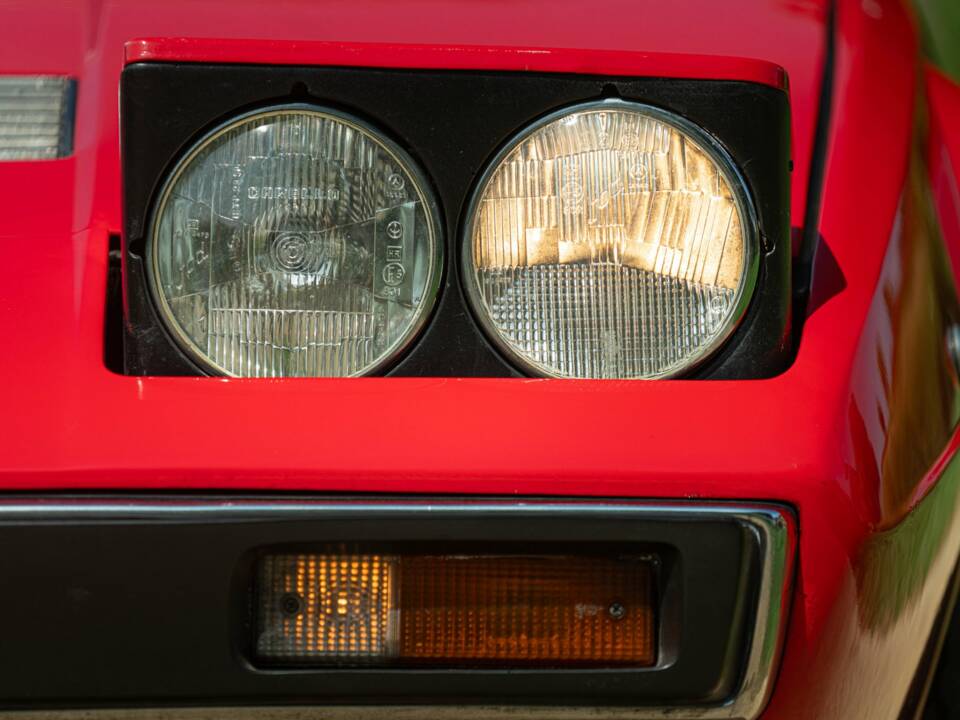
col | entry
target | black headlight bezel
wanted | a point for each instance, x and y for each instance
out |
(452, 123)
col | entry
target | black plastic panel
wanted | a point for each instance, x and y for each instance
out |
(452, 123)
(116, 604)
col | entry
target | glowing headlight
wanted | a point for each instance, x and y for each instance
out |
(610, 240)
(295, 242)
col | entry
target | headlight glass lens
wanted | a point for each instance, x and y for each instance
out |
(295, 242)
(611, 240)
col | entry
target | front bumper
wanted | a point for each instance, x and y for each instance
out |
(146, 601)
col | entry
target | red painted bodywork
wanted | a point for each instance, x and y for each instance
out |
(857, 435)
(457, 57)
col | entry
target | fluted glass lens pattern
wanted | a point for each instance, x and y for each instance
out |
(295, 242)
(608, 243)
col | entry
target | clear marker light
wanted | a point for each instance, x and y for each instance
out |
(295, 241)
(36, 117)
(611, 240)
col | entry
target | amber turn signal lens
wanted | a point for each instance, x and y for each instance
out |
(456, 610)
(526, 610)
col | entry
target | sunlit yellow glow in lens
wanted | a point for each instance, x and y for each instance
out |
(325, 606)
(609, 242)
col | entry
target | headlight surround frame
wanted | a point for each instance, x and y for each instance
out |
(752, 118)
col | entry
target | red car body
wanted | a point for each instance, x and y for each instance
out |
(857, 435)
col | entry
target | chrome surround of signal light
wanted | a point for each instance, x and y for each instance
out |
(36, 117)
(769, 524)
(711, 148)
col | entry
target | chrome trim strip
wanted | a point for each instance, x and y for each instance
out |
(769, 523)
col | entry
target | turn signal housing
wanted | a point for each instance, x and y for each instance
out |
(456, 610)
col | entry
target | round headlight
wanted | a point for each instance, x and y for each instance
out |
(294, 241)
(610, 240)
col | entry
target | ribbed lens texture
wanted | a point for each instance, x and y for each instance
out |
(295, 243)
(609, 244)
(326, 607)
(457, 610)
(36, 117)
(544, 610)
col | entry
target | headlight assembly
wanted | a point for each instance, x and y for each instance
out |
(473, 224)
(294, 241)
(610, 240)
